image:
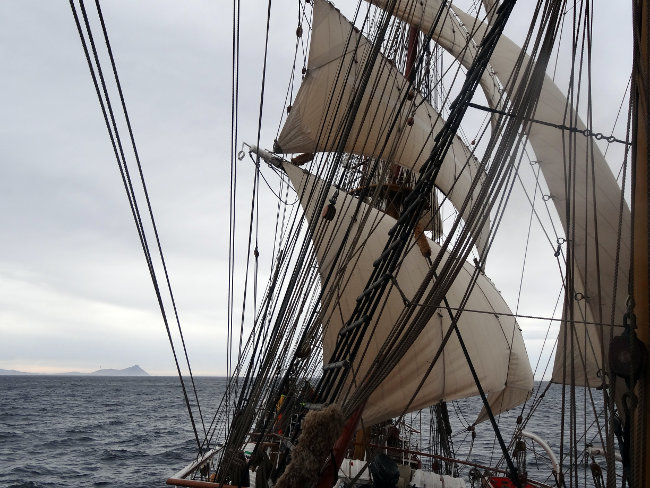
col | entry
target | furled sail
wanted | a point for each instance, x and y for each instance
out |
(336, 59)
(590, 304)
(494, 340)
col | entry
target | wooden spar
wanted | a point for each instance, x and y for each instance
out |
(361, 443)
(409, 74)
(640, 453)
(329, 473)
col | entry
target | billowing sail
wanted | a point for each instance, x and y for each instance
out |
(336, 59)
(589, 303)
(494, 340)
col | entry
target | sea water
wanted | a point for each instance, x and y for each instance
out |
(60, 431)
(77, 431)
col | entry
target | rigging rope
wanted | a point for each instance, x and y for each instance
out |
(111, 126)
(585, 132)
(329, 169)
(368, 301)
(234, 112)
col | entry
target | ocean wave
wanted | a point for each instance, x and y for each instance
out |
(28, 484)
(68, 442)
(63, 434)
(32, 470)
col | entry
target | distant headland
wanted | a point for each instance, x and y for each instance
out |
(134, 370)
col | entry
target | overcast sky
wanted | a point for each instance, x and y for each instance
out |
(75, 294)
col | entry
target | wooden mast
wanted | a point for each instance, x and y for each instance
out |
(640, 453)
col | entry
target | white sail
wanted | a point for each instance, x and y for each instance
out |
(319, 111)
(518, 387)
(490, 9)
(450, 33)
(547, 142)
(493, 338)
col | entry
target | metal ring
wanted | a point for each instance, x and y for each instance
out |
(546, 198)
(240, 155)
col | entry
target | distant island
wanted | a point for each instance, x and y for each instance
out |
(134, 370)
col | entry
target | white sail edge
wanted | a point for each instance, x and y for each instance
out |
(488, 336)
(547, 145)
(309, 122)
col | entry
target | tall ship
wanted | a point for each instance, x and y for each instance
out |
(411, 133)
